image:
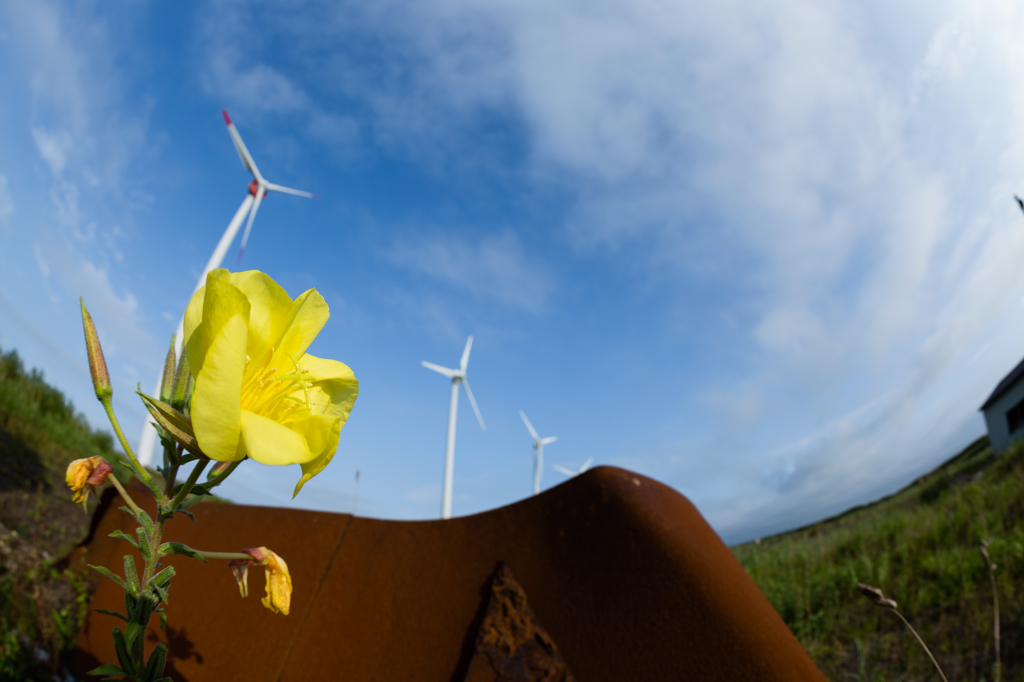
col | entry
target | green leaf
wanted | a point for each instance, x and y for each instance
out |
(104, 571)
(177, 425)
(131, 576)
(135, 640)
(144, 547)
(111, 613)
(121, 535)
(163, 618)
(156, 661)
(178, 548)
(196, 489)
(162, 578)
(122, 652)
(143, 611)
(160, 594)
(141, 517)
(107, 669)
(190, 502)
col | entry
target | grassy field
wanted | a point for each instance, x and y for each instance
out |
(921, 547)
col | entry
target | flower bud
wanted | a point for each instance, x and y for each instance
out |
(279, 581)
(182, 384)
(167, 378)
(97, 365)
(85, 474)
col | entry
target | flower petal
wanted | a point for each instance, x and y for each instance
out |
(322, 433)
(307, 317)
(268, 442)
(216, 355)
(335, 389)
(272, 310)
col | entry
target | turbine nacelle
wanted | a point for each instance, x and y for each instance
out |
(538, 451)
(458, 376)
(259, 187)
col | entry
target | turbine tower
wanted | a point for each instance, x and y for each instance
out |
(538, 452)
(570, 473)
(458, 376)
(258, 189)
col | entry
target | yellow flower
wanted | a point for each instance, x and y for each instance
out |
(279, 581)
(257, 392)
(85, 474)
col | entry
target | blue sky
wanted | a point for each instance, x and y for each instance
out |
(766, 254)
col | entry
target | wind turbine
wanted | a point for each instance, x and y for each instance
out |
(538, 452)
(570, 473)
(258, 189)
(458, 376)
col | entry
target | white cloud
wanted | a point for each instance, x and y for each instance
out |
(844, 173)
(491, 267)
(75, 87)
(54, 147)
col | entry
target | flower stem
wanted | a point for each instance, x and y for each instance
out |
(124, 494)
(921, 641)
(187, 488)
(219, 478)
(139, 470)
(226, 555)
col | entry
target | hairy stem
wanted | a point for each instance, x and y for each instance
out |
(226, 555)
(219, 478)
(124, 495)
(139, 470)
(995, 604)
(921, 641)
(187, 488)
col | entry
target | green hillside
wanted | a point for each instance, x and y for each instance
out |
(41, 599)
(921, 547)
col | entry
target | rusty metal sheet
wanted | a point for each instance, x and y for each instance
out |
(622, 571)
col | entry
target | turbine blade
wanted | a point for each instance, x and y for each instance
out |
(563, 470)
(288, 190)
(529, 426)
(260, 193)
(243, 153)
(472, 401)
(450, 373)
(465, 354)
(548, 440)
(586, 465)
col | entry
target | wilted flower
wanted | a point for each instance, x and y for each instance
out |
(279, 581)
(257, 392)
(85, 474)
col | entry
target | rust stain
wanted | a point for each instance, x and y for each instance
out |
(516, 646)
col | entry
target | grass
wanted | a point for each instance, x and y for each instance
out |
(42, 598)
(922, 547)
